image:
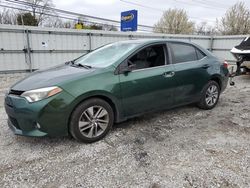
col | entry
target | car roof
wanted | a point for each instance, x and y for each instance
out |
(151, 41)
(143, 42)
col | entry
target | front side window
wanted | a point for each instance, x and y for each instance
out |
(184, 53)
(148, 57)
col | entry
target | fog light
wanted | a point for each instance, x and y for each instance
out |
(38, 126)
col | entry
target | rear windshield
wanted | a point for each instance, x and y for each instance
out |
(106, 55)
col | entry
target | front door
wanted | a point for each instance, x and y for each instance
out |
(150, 84)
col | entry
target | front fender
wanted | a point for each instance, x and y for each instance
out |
(108, 97)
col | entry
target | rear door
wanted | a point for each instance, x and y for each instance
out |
(150, 84)
(191, 71)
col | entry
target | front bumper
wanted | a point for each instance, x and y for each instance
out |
(46, 117)
(34, 132)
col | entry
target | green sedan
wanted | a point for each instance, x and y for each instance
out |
(86, 96)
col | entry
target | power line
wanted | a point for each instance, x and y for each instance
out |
(161, 10)
(71, 13)
(67, 18)
(58, 16)
(140, 5)
(59, 10)
(203, 5)
(212, 2)
(179, 2)
(64, 12)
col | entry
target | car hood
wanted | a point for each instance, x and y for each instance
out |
(51, 77)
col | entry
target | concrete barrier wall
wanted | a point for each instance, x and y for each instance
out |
(31, 48)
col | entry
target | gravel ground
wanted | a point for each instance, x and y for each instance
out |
(183, 147)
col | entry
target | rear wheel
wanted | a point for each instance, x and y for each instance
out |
(91, 120)
(210, 96)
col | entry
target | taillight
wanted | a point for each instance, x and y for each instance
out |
(225, 64)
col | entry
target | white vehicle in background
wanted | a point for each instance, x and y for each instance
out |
(242, 54)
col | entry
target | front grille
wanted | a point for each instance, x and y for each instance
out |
(16, 92)
(14, 122)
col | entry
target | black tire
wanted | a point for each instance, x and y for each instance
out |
(203, 103)
(79, 112)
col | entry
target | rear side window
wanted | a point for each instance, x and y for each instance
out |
(185, 53)
(200, 54)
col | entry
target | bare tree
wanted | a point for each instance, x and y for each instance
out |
(201, 28)
(236, 20)
(204, 29)
(26, 19)
(55, 22)
(40, 9)
(69, 24)
(8, 16)
(174, 21)
(108, 27)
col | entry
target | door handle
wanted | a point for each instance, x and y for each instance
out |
(205, 66)
(168, 74)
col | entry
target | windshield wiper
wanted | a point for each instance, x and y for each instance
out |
(70, 62)
(78, 65)
(81, 65)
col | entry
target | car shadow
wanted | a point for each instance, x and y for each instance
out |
(128, 124)
(153, 115)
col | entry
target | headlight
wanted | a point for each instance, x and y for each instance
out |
(39, 94)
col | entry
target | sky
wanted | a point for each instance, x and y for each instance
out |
(150, 11)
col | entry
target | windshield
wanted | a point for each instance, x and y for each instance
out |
(106, 55)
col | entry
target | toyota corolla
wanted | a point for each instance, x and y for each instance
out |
(86, 96)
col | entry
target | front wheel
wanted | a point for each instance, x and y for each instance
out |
(210, 96)
(91, 120)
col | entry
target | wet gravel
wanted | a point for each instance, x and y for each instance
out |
(183, 147)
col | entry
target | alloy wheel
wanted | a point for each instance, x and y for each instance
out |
(93, 121)
(212, 95)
